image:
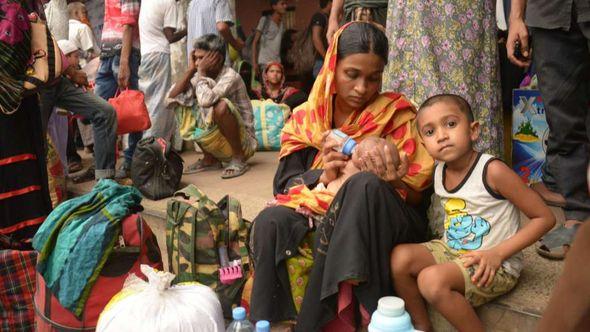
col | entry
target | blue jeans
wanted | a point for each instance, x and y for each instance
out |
(107, 86)
(66, 95)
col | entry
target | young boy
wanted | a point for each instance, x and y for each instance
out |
(479, 257)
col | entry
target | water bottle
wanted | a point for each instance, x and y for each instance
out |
(347, 144)
(262, 326)
(391, 316)
(240, 323)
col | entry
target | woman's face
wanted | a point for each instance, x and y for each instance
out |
(358, 80)
(274, 75)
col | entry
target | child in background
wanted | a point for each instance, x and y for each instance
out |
(479, 257)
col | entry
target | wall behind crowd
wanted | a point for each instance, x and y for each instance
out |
(248, 12)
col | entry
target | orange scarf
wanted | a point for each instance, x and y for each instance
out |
(389, 116)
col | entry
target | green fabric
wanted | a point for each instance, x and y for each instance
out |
(77, 238)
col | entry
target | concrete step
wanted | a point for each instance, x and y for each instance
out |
(518, 310)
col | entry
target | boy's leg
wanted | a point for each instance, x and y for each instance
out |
(407, 260)
(443, 286)
(104, 122)
(229, 127)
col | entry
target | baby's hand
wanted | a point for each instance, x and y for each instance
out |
(488, 262)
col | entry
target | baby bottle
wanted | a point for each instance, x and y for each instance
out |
(390, 316)
(347, 144)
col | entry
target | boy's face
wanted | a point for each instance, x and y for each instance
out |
(446, 131)
(82, 15)
(74, 58)
(280, 7)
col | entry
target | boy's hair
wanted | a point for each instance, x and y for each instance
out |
(324, 3)
(210, 42)
(456, 100)
(274, 2)
(73, 7)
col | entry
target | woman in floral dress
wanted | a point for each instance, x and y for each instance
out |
(448, 46)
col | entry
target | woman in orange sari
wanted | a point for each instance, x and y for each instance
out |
(371, 213)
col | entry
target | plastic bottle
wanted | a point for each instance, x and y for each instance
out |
(391, 316)
(262, 326)
(347, 144)
(240, 323)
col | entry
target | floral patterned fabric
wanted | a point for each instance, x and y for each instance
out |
(448, 47)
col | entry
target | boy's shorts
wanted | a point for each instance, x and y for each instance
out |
(197, 125)
(503, 281)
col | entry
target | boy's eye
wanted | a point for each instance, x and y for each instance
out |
(428, 132)
(451, 124)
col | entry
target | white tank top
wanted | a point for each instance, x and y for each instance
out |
(477, 218)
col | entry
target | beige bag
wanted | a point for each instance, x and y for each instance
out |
(47, 57)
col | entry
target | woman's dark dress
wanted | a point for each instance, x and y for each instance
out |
(365, 221)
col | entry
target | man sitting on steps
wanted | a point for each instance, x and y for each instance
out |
(214, 110)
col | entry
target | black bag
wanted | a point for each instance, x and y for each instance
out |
(303, 53)
(156, 169)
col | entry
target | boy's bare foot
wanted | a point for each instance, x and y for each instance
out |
(550, 197)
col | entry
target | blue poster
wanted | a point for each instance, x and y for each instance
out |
(529, 134)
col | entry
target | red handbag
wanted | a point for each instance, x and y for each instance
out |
(132, 114)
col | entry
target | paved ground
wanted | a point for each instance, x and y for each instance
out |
(517, 311)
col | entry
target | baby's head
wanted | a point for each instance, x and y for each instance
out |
(447, 127)
(368, 144)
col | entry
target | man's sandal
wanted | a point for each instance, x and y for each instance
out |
(199, 166)
(234, 169)
(555, 244)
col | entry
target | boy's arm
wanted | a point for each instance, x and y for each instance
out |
(504, 181)
(184, 83)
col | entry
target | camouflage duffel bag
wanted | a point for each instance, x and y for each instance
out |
(199, 233)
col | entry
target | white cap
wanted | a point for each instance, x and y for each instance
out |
(391, 306)
(66, 46)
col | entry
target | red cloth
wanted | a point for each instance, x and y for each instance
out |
(17, 286)
(119, 13)
(345, 320)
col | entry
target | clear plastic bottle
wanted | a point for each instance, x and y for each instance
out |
(347, 144)
(262, 326)
(240, 323)
(391, 316)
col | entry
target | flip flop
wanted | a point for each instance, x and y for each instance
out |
(556, 243)
(234, 169)
(198, 166)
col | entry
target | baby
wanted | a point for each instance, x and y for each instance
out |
(316, 201)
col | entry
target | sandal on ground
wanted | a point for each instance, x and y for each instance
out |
(86, 176)
(74, 167)
(234, 169)
(200, 166)
(555, 244)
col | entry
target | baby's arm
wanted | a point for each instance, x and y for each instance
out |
(504, 181)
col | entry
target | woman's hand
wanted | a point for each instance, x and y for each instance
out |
(386, 164)
(488, 262)
(334, 161)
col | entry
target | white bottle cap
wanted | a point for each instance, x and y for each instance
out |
(391, 306)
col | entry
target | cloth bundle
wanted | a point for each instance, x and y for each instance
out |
(76, 239)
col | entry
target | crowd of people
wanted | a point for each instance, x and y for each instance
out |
(416, 84)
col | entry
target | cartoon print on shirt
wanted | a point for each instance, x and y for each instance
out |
(464, 231)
